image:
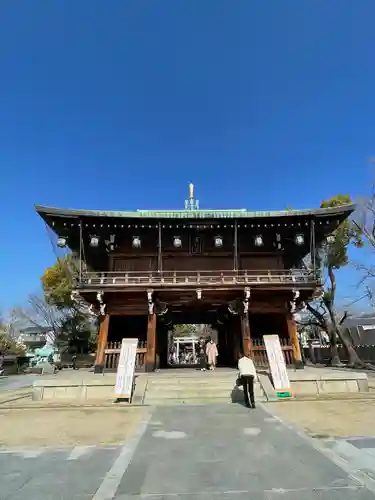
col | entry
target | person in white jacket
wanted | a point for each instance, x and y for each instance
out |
(247, 376)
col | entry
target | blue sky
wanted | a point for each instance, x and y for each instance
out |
(118, 105)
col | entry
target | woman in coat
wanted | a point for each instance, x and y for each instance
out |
(211, 353)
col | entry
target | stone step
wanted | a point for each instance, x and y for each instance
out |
(193, 401)
(231, 381)
(175, 386)
(205, 391)
(194, 394)
(195, 374)
(198, 388)
(193, 381)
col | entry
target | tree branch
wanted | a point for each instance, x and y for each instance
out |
(321, 319)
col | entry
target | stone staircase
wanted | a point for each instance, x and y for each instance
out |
(194, 388)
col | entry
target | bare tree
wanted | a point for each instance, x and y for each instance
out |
(317, 317)
(331, 256)
(364, 220)
(41, 315)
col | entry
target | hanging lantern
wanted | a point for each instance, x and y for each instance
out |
(258, 241)
(61, 242)
(177, 243)
(136, 242)
(300, 239)
(94, 241)
(218, 241)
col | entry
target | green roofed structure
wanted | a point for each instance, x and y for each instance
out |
(240, 271)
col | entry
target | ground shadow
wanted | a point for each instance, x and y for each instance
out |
(237, 396)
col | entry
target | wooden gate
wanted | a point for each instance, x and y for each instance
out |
(112, 356)
(260, 354)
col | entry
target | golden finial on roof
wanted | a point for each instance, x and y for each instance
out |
(191, 191)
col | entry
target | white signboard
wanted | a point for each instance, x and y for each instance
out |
(277, 362)
(125, 369)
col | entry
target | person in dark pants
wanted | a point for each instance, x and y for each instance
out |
(74, 361)
(202, 354)
(247, 376)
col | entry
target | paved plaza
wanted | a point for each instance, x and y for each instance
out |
(223, 452)
(14, 382)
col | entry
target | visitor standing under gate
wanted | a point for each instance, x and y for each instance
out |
(247, 376)
(202, 354)
(211, 353)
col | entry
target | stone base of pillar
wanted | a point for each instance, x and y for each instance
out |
(98, 369)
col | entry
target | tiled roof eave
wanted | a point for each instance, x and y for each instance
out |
(193, 214)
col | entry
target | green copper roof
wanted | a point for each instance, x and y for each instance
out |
(192, 214)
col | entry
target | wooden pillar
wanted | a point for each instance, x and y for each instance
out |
(234, 330)
(151, 342)
(102, 343)
(246, 336)
(235, 247)
(293, 335)
(160, 257)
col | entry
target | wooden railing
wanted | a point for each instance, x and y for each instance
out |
(260, 354)
(197, 278)
(112, 356)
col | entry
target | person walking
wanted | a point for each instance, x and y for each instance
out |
(202, 354)
(247, 376)
(211, 353)
(74, 361)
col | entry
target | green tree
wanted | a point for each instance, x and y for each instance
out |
(76, 328)
(77, 333)
(59, 280)
(332, 255)
(9, 346)
(8, 339)
(184, 330)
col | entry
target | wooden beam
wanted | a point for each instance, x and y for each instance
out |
(246, 335)
(151, 342)
(293, 335)
(102, 343)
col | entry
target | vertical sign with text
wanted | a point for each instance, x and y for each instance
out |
(125, 369)
(276, 361)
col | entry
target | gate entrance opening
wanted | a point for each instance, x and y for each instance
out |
(177, 339)
(185, 344)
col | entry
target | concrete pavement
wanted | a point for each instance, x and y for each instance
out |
(223, 452)
(14, 382)
(54, 474)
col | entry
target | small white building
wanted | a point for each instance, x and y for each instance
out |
(35, 337)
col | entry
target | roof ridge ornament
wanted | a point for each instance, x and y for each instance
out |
(191, 203)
